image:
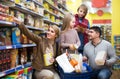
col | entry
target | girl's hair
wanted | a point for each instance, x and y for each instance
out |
(83, 6)
(66, 21)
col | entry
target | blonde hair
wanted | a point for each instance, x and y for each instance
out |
(56, 29)
(66, 21)
(83, 6)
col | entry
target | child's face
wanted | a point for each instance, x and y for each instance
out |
(72, 22)
(81, 12)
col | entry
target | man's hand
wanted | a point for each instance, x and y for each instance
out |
(85, 59)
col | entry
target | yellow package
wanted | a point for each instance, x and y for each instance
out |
(17, 1)
(47, 58)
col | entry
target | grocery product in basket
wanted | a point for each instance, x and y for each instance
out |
(63, 62)
(78, 67)
(72, 60)
(100, 58)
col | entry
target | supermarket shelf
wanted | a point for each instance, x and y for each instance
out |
(9, 71)
(38, 3)
(7, 2)
(6, 47)
(27, 65)
(61, 17)
(23, 45)
(8, 24)
(51, 13)
(17, 46)
(48, 21)
(34, 28)
(64, 7)
(52, 6)
(12, 24)
(25, 10)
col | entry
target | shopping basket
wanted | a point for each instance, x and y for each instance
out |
(84, 75)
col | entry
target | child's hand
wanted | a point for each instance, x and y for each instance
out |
(80, 29)
(77, 28)
(71, 46)
(87, 31)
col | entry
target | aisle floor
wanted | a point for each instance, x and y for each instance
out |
(116, 74)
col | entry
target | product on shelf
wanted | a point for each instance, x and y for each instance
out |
(11, 16)
(30, 5)
(40, 1)
(52, 18)
(117, 48)
(5, 37)
(47, 16)
(15, 36)
(17, 1)
(4, 60)
(4, 17)
(45, 26)
(20, 73)
(28, 72)
(38, 22)
(22, 56)
(4, 9)
(117, 43)
(29, 20)
(39, 10)
(106, 32)
(8, 37)
(14, 58)
(19, 15)
(2, 39)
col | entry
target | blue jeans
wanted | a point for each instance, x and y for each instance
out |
(103, 74)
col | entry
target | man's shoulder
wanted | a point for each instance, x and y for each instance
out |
(88, 44)
(106, 42)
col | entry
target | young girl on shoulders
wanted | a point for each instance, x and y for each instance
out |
(69, 38)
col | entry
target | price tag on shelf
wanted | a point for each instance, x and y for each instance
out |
(24, 45)
(22, 66)
(8, 47)
(14, 46)
(2, 74)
